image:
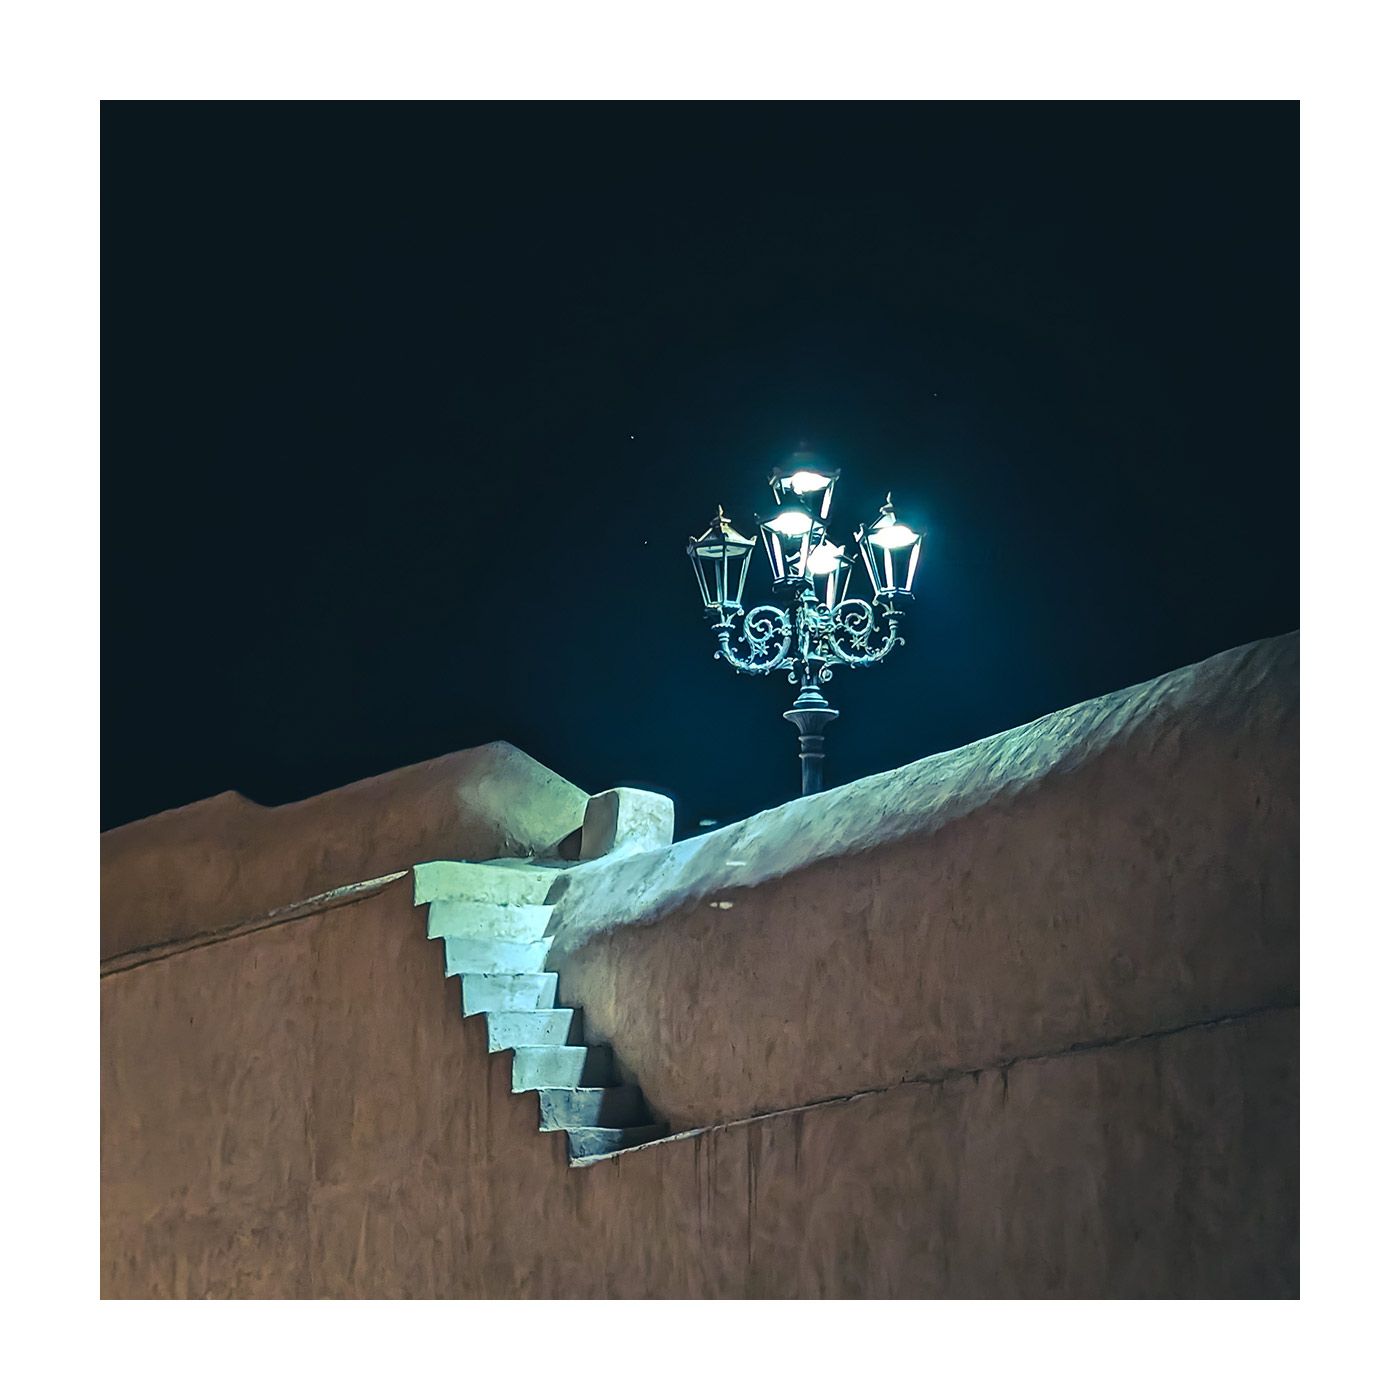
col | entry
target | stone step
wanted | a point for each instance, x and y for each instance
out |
(618, 1107)
(489, 923)
(507, 1029)
(508, 991)
(561, 1066)
(594, 1142)
(488, 882)
(472, 955)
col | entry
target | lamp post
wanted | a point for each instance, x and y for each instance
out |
(816, 624)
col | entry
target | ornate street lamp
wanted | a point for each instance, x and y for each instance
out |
(817, 625)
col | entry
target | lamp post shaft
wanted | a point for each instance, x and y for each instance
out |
(811, 714)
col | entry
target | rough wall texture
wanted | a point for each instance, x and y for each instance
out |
(304, 1113)
(228, 859)
(1121, 867)
(1045, 986)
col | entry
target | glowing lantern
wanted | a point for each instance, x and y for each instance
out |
(891, 552)
(788, 539)
(804, 481)
(830, 572)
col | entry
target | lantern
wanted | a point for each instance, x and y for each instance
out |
(806, 482)
(891, 553)
(721, 560)
(830, 572)
(788, 539)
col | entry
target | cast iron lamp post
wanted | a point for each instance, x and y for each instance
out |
(816, 624)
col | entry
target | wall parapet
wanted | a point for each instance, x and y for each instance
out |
(1118, 867)
(226, 860)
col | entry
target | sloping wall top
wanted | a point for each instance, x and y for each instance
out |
(226, 859)
(1249, 693)
(1126, 867)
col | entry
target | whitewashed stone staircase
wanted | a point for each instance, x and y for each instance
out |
(493, 918)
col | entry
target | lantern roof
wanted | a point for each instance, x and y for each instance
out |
(888, 531)
(721, 539)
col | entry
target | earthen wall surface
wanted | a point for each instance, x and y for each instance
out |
(228, 859)
(1022, 1022)
(304, 1113)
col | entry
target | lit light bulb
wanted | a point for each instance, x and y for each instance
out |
(804, 482)
(894, 536)
(824, 558)
(791, 522)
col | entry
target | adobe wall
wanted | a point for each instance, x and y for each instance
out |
(225, 860)
(1125, 866)
(1023, 1019)
(303, 1112)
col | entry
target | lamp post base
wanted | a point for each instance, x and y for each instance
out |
(811, 714)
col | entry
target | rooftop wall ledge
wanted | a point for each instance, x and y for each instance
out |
(1239, 706)
(224, 861)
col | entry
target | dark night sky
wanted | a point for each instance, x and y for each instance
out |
(409, 409)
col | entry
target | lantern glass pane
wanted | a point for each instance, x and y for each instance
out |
(743, 577)
(832, 586)
(913, 563)
(788, 538)
(702, 572)
(774, 545)
(730, 570)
